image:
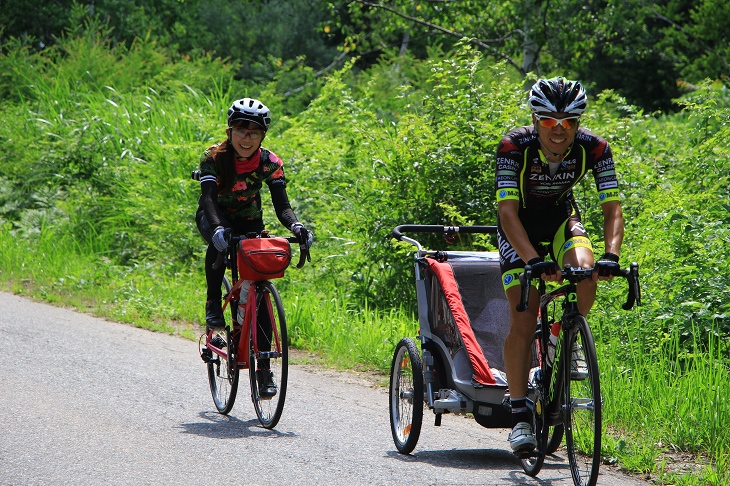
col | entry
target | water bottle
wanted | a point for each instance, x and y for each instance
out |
(243, 297)
(552, 342)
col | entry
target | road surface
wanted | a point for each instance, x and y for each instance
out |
(88, 401)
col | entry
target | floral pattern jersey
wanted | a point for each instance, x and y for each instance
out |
(243, 201)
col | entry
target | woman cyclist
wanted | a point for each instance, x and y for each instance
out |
(537, 168)
(232, 174)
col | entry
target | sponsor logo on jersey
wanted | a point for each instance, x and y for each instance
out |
(608, 196)
(506, 251)
(508, 194)
(557, 177)
(607, 185)
(603, 165)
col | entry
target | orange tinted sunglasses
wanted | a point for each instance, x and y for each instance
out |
(550, 122)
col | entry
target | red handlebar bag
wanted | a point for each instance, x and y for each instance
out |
(263, 258)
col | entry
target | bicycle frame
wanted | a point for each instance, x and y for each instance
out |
(243, 329)
(569, 305)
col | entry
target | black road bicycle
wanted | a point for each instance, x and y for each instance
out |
(567, 402)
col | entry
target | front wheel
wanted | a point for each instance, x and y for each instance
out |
(582, 410)
(223, 372)
(406, 395)
(269, 364)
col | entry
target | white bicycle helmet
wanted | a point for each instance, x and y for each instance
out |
(558, 95)
(251, 110)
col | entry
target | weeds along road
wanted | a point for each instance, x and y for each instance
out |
(88, 401)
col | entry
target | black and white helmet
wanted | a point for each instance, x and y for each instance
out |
(557, 95)
(250, 110)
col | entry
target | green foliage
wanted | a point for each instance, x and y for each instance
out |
(252, 33)
(638, 49)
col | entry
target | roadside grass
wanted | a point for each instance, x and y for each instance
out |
(662, 414)
(668, 411)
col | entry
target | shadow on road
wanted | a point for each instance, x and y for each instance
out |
(476, 459)
(219, 426)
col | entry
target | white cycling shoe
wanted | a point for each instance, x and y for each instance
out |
(521, 438)
(578, 367)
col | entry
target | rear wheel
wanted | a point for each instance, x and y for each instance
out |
(582, 415)
(541, 377)
(269, 364)
(223, 372)
(556, 438)
(532, 464)
(406, 395)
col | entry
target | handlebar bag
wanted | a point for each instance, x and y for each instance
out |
(263, 258)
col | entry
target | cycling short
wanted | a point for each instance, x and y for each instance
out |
(552, 232)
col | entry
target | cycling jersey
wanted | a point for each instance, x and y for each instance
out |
(544, 191)
(523, 174)
(242, 203)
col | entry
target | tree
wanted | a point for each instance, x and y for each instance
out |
(638, 48)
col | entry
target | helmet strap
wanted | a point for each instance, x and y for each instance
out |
(555, 154)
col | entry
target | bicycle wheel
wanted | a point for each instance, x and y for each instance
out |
(556, 438)
(406, 395)
(269, 365)
(540, 381)
(223, 374)
(582, 415)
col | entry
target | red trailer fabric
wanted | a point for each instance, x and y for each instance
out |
(445, 275)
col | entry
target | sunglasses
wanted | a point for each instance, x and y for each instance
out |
(253, 133)
(550, 122)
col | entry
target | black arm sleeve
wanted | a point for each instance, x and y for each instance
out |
(208, 201)
(281, 205)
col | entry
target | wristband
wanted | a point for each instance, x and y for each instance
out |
(534, 261)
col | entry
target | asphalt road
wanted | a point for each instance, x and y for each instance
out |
(88, 401)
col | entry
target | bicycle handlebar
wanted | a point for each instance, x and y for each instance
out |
(434, 228)
(233, 241)
(575, 275)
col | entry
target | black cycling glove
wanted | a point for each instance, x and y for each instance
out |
(303, 235)
(607, 265)
(539, 267)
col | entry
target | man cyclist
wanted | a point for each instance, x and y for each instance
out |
(537, 167)
(232, 174)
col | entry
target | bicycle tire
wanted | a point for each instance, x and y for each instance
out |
(406, 395)
(556, 438)
(540, 425)
(272, 354)
(583, 414)
(223, 375)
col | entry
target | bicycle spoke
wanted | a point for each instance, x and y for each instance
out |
(406, 396)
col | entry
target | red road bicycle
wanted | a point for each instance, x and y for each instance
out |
(254, 339)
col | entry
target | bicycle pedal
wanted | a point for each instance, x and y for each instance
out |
(207, 356)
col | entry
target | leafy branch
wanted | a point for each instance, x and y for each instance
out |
(695, 38)
(477, 42)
